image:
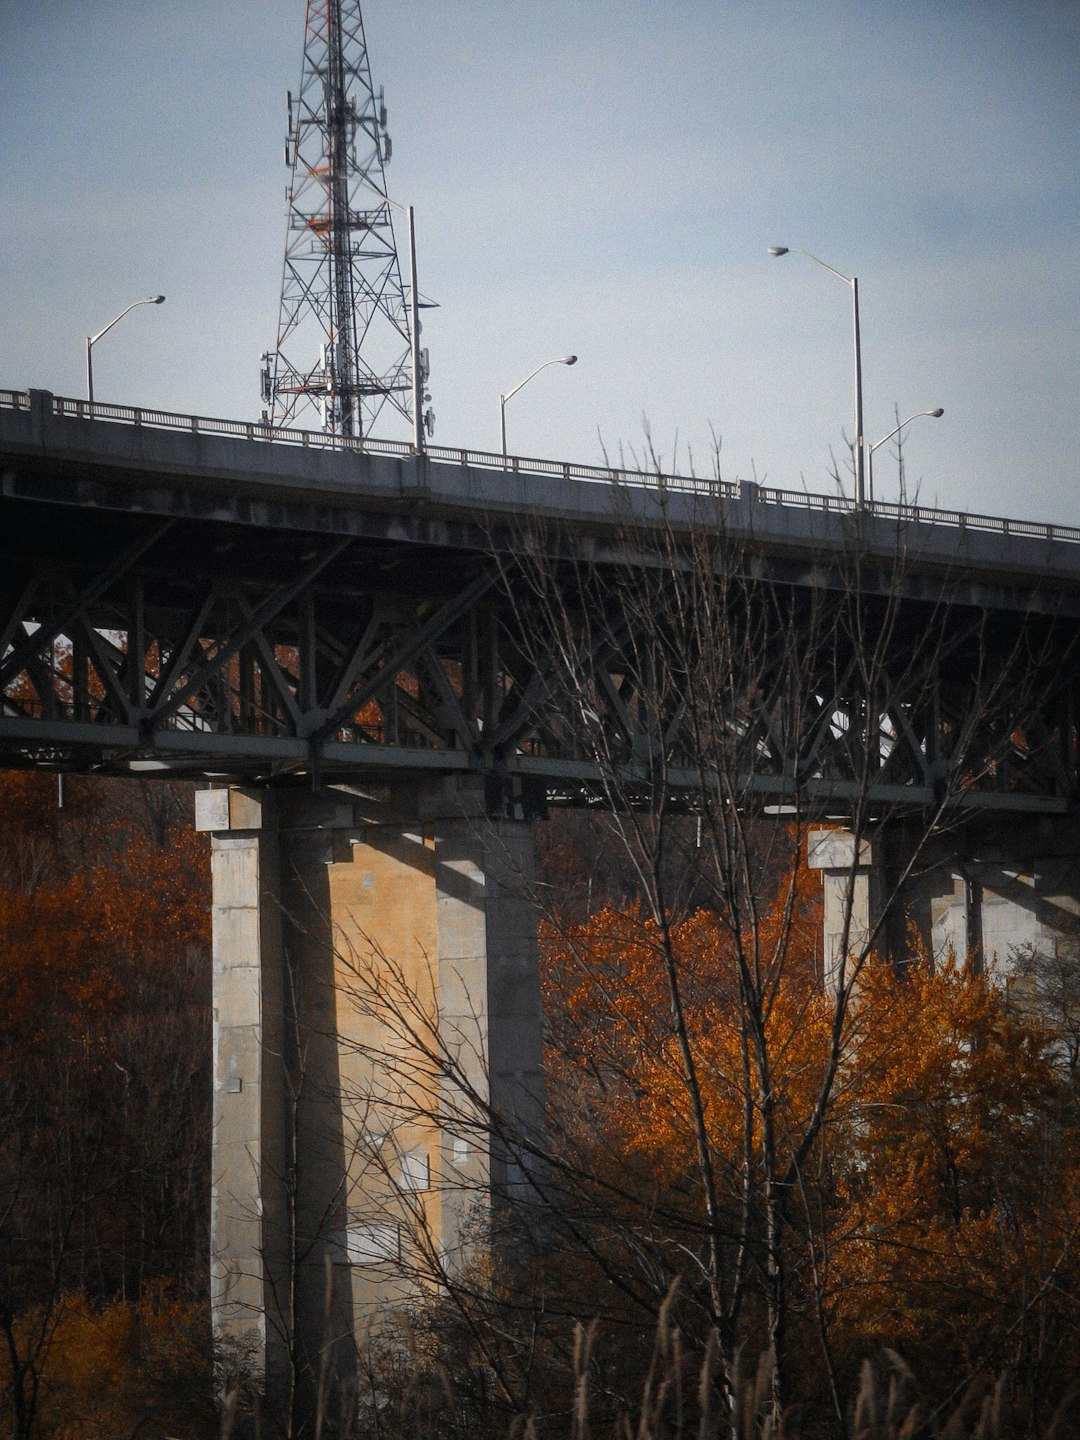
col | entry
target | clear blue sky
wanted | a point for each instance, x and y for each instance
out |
(598, 176)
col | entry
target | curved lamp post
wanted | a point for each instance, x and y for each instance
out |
(934, 415)
(853, 283)
(91, 340)
(562, 360)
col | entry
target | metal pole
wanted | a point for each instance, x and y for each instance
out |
(860, 455)
(935, 414)
(414, 331)
(852, 281)
(91, 340)
(559, 360)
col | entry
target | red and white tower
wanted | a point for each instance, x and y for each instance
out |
(345, 344)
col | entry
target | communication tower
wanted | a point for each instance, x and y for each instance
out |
(347, 341)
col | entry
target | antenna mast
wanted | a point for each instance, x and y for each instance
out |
(344, 343)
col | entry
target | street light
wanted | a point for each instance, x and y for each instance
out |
(414, 326)
(563, 360)
(91, 340)
(852, 281)
(415, 306)
(934, 415)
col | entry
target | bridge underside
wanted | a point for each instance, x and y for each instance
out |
(402, 670)
(149, 623)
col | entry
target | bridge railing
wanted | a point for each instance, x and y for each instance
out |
(258, 432)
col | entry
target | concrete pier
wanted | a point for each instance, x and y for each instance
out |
(984, 892)
(849, 895)
(377, 1039)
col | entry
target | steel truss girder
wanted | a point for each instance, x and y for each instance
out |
(334, 657)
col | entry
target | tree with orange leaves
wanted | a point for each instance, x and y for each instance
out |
(939, 1208)
(635, 1006)
(104, 1083)
(724, 708)
(955, 1165)
(121, 1367)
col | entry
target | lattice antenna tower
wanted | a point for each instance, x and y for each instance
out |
(343, 343)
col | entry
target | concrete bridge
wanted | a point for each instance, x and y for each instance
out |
(387, 665)
(207, 597)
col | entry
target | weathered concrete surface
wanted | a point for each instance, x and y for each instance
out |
(848, 894)
(985, 893)
(995, 892)
(377, 999)
(248, 1141)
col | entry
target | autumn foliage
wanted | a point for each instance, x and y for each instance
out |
(935, 1213)
(938, 1209)
(104, 1078)
(123, 1367)
(955, 1169)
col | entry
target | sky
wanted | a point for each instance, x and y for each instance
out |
(602, 177)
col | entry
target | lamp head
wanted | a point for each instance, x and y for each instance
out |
(778, 250)
(936, 414)
(570, 360)
(156, 299)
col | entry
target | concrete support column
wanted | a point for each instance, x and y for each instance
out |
(849, 894)
(440, 1028)
(989, 893)
(247, 1197)
(490, 1011)
(976, 891)
(953, 901)
(377, 1053)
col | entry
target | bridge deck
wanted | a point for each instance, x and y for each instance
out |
(207, 597)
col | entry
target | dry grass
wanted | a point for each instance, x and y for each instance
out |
(887, 1406)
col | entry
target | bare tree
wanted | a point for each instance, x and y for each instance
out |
(769, 692)
(726, 706)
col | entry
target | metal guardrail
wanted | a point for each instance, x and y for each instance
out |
(258, 433)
